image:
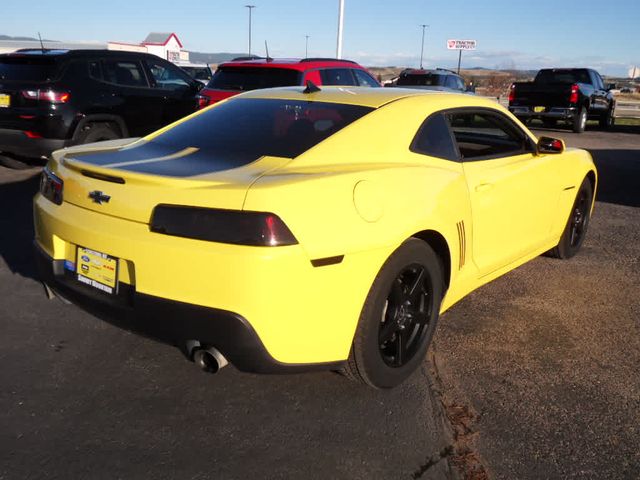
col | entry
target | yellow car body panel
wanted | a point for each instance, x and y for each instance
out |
(358, 195)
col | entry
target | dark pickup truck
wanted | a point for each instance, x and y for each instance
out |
(569, 94)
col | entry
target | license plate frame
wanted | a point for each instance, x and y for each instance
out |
(539, 109)
(97, 270)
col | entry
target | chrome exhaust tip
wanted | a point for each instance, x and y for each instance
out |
(209, 359)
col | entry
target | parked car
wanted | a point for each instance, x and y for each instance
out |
(438, 79)
(51, 99)
(198, 71)
(300, 229)
(251, 73)
(572, 95)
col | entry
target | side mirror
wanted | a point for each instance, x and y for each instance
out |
(550, 145)
(611, 86)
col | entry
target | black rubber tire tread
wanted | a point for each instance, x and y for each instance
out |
(98, 132)
(14, 163)
(564, 250)
(365, 365)
(607, 120)
(577, 125)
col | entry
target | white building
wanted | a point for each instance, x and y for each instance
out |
(165, 45)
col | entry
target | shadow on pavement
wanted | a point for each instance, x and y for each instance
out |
(16, 225)
(618, 176)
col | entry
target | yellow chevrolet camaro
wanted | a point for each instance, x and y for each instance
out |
(299, 229)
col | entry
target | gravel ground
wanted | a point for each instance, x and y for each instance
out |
(546, 358)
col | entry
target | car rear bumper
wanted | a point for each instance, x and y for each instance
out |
(301, 312)
(559, 113)
(17, 142)
(169, 320)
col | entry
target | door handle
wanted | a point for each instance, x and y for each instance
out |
(483, 187)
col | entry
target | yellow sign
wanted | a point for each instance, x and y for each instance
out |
(97, 269)
(5, 101)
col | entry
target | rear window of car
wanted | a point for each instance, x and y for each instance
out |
(563, 76)
(28, 69)
(198, 73)
(253, 78)
(429, 79)
(241, 131)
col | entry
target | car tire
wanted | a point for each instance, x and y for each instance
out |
(576, 228)
(580, 120)
(398, 318)
(14, 163)
(97, 132)
(607, 120)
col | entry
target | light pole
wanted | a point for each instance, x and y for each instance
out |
(422, 49)
(250, 7)
(306, 46)
(340, 25)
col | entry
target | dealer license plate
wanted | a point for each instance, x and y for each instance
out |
(539, 109)
(97, 269)
(5, 100)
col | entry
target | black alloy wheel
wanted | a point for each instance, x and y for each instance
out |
(576, 227)
(406, 316)
(579, 219)
(398, 318)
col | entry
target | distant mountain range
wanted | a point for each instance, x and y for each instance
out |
(199, 57)
(24, 39)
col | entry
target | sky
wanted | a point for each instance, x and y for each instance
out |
(510, 34)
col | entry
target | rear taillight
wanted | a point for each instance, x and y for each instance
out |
(51, 186)
(50, 96)
(238, 227)
(512, 92)
(203, 101)
(573, 97)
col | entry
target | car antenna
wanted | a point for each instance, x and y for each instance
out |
(311, 87)
(41, 44)
(266, 47)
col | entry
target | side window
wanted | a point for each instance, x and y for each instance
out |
(434, 139)
(337, 76)
(599, 82)
(451, 82)
(165, 77)
(485, 135)
(128, 74)
(364, 79)
(95, 71)
(460, 84)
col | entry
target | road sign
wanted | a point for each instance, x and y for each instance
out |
(461, 44)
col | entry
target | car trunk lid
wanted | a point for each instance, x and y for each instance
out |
(128, 182)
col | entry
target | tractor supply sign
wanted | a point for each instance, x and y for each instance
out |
(461, 44)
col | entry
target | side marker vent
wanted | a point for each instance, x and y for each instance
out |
(462, 239)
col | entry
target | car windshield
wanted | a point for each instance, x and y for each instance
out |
(252, 78)
(27, 68)
(240, 131)
(562, 76)
(427, 79)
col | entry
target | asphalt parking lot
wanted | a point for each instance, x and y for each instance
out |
(532, 376)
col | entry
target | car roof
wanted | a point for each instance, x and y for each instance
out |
(77, 53)
(290, 63)
(368, 97)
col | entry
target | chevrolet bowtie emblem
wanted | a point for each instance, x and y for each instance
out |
(98, 197)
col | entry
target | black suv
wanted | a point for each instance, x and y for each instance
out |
(438, 79)
(50, 99)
